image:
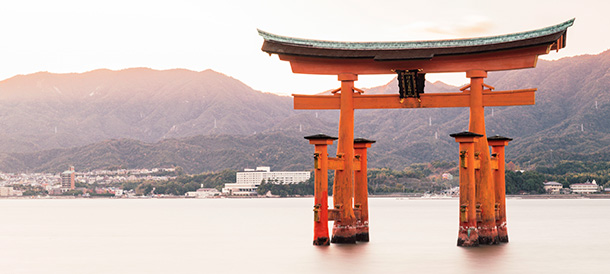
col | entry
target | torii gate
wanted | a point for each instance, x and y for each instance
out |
(482, 213)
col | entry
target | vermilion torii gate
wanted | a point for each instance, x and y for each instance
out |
(482, 213)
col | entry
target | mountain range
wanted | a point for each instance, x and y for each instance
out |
(207, 121)
(44, 110)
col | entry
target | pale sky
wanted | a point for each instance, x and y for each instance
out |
(63, 36)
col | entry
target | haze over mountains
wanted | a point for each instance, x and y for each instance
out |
(44, 110)
(207, 121)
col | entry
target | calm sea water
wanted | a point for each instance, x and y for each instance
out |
(275, 235)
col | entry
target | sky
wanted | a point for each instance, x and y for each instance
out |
(63, 36)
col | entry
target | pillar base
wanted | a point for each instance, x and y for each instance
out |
(362, 237)
(362, 232)
(321, 241)
(503, 233)
(488, 235)
(468, 237)
(344, 235)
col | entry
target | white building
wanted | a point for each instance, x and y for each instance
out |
(240, 189)
(6, 191)
(553, 187)
(587, 187)
(203, 193)
(447, 176)
(256, 176)
(119, 192)
(248, 181)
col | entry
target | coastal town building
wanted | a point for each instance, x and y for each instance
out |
(587, 187)
(447, 176)
(247, 182)
(235, 189)
(203, 193)
(6, 191)
(256, 176)
(67, 178)
(553, 187)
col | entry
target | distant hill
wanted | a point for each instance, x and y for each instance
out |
(161, 118)
(44, 110)
(194, 154)
(572, 112)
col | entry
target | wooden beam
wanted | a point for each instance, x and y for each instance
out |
(494, 61)
(509, 98)
(336, 163)
(339, 163)
(426, 100)
(317, 101)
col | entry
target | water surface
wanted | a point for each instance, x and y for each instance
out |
(275, 235)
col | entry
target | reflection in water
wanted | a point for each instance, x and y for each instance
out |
(484, 257)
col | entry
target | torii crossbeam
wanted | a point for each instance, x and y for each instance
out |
(480, 211)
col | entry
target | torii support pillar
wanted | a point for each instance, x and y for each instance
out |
(468, 232)
(320, 224)
(488, 234)
(497, 144)
(344, 228)
(361, 191)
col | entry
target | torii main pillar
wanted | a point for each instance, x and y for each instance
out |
(484, 184)
(344, 229)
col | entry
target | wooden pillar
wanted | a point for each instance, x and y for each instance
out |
(320, 224)
(467, 233)
(488, 233)
(344, 229)
(361, 191)
(497, 144)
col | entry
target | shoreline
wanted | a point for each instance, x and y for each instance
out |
(413, 196)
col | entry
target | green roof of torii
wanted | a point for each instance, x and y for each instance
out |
(418, 49)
